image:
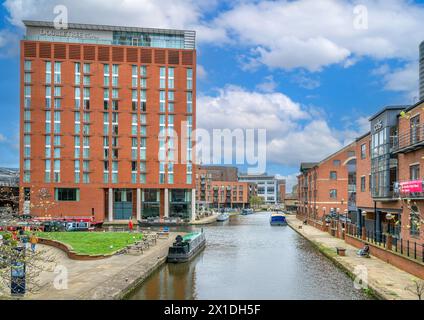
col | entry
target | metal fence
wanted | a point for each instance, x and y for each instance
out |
(408, 248)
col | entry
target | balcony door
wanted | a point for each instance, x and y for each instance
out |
(415, 129)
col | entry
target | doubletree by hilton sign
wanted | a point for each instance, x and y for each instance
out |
(68, 34)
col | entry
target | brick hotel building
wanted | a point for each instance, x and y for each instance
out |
(107, 115)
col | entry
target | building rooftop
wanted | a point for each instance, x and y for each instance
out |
(110, 35)
(305, 166)
(392, 108)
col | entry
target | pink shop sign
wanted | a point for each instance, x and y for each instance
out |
(411, 186)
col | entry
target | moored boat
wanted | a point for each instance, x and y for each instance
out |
(278, 219)
(246, 212)
(222, 217)
(186, 247)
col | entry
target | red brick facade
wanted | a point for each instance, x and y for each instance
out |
(93, 195)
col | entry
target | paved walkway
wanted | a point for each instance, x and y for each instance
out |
(386, 280)
(102, 279)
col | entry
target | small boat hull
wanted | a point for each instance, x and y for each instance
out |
(222, 217)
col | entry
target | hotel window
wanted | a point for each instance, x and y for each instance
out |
(133, 171)
(86, 98)
(48, 149)
(162, 78)
(189, 102)
(56, 141)
(77, 73)
(115, 94)
(56, 171)
(57, 91)
(115, 75)
(170, 106)
(171, 120)
(66, 194)
(170, 95)
(333, 194)
(189, 173)
(27, 127)
(27, 97)
(86, 81)
(171, 72)
(162, 101)
(27, 115)
(161, 172)
(47, 170)
(134, 124)
(106, 99)
(170, 173)
(134, 81)
(85, 177)
(134, 100)
(27, 146)
(336, 163)
(77, 171)
(142, 119)
(114, 171)
(363, 151)
(143, 131)
(86, 68)
(363, 184)
(189, 79)
(143, 83)
(77, 93)
(56, 122)
(143, 71)
(56, 153)
(57, 72)
(415, 129)
(77, 123)
(86, 148)
(27, 65)
(27, 172)
(105, 123)
(48, 72)
(77, 144)
(27, 77)
(162, 122)
(134, 147)
(143, 100)
(106, 75)
(414, 172)
(105, 171)
(333, 175)
(57, 103)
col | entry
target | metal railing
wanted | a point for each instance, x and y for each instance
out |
(412, 139)
(408, 248)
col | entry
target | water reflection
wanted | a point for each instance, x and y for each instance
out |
(245, 258)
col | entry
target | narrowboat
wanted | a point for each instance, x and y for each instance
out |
(186, 247)
(222, 217)
(278, 219)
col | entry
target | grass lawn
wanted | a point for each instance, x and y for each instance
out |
(93, 243)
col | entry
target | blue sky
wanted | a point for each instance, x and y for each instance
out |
(300, 69)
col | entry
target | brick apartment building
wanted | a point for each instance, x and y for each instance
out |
(218, 187)
(106, 120)
(380, 174)
(328, 186)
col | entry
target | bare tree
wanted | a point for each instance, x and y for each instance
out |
(417, 288)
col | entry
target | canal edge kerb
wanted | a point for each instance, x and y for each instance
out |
(371, 291)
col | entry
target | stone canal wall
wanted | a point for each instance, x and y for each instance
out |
(384, 281)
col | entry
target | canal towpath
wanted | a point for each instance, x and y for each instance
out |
(385, 280)
(106, 279)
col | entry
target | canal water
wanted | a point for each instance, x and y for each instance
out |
(246, 258)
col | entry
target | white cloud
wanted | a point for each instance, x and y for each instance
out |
(268, 85)
(305, 81)
(291, 181)
(312, 34)
(295, 133)
(2, 138)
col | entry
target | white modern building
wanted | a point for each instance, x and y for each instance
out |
(267, 186)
